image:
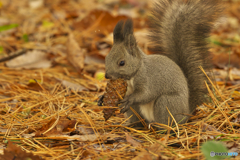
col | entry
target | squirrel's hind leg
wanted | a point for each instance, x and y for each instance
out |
(134, 120)
(178, 106)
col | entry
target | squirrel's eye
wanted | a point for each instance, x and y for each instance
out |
(122, 63)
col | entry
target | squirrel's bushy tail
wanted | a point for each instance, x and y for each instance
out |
(179, 29)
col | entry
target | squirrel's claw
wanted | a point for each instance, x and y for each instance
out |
(125, 109)
(122, 101)
(124, 105)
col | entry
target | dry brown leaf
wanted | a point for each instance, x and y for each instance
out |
(34, 86)
(83, 129)
(132, 141)
(222, 60)
(63, 125)
(143, 155)
(157, 147)
(31, 60)
(28, 135)
(74, 86)
(82, 138)
(35, 4)
(207, 127)
(16, 153)
(75, 54)
(98, 22)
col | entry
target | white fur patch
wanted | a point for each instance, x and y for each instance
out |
(147, 111)
(129, 91)
(129, 87)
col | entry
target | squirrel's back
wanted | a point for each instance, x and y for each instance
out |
(179, 29)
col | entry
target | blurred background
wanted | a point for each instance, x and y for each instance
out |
(45, 25)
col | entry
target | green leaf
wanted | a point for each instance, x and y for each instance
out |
(1, 49)
(47, 24)
(219, 136)
(224, 139)
(7, 27)
(214, 41)
(43, 116)
(25, 37)
(216, 147)
(217, 43)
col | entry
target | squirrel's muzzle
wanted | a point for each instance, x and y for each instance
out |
(107, 76)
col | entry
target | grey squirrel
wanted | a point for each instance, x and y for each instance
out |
(171, 78)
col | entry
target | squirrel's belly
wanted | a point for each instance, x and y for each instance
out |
(147, 111)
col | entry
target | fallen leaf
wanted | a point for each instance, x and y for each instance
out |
(34, 86)
(98, 22)
(8, 27)
(31, 60)
(34, 4)
(75, 54)
(28, 135)
(155, 148)
(222, 60)
(62, 125)
(159, 145)
(74, 86)
(132, 141)
(83, 138)
(143, 155)
(16, 153)
(85, 129)
(207, 127)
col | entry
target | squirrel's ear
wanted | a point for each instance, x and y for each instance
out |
(129, 39)
(117, 32)
(128, 27)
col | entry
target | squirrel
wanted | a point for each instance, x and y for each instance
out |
(171, 78)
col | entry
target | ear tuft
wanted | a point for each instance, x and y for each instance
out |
(117, 33)
(129, 39)
(128, 27)
(123, 32)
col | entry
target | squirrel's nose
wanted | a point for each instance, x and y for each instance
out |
(107, 76)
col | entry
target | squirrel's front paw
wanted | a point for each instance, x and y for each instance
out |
(125, 109)
(125, 105)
